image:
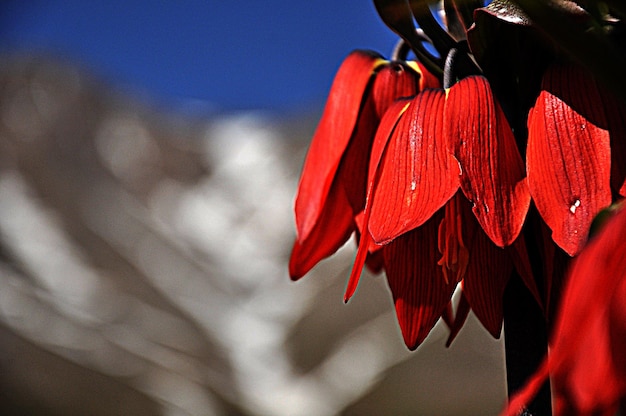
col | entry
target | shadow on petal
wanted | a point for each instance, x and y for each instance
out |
(417, 283)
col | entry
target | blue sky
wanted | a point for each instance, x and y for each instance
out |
(270, 54)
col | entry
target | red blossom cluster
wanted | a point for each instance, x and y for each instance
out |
(488, 164)
(434, 183)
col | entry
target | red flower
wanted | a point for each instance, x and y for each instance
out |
(587, 360)
(333, 182)
(436, 186)
(569, 153)
(419, 174)
(460, 143)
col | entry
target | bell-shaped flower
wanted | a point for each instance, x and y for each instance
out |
(437, 190)
(332, 186)
(569, 155)
(447, 191)
(404, 160)
(493, 176)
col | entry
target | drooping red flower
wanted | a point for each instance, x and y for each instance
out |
(458, 142)
(331, 192)
(417, 282)
(569, 155)
(587, 360)
(444, 144)
(447, 165)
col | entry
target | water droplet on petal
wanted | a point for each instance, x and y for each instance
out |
(574, 206)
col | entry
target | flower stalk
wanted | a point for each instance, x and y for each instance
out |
(525, 345)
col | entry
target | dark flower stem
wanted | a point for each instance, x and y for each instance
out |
(396, 14)
(448, 71)
(440, 38)
(525, 343)
(458, 64)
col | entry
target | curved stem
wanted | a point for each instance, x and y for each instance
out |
(401, 50)
(525, 344)
(448, 68)
(441, 40)
(459, 64)
(431, 62)
(396, 14)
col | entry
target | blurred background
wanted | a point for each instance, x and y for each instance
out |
(149, 155)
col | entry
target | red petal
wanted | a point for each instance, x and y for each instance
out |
(359, 262)
(330, 232)
(345, 200)
(332, 137)
(487, 274)
(416, 281)
(568, 162)
(418, 175)
(493, 176)
(394, 80)
(352, 172)
(453, 231)
(582, 353)
(386, 129)
(462, 312)
(617, 327)
(598, 105)
(427, 79)
(487, 271)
